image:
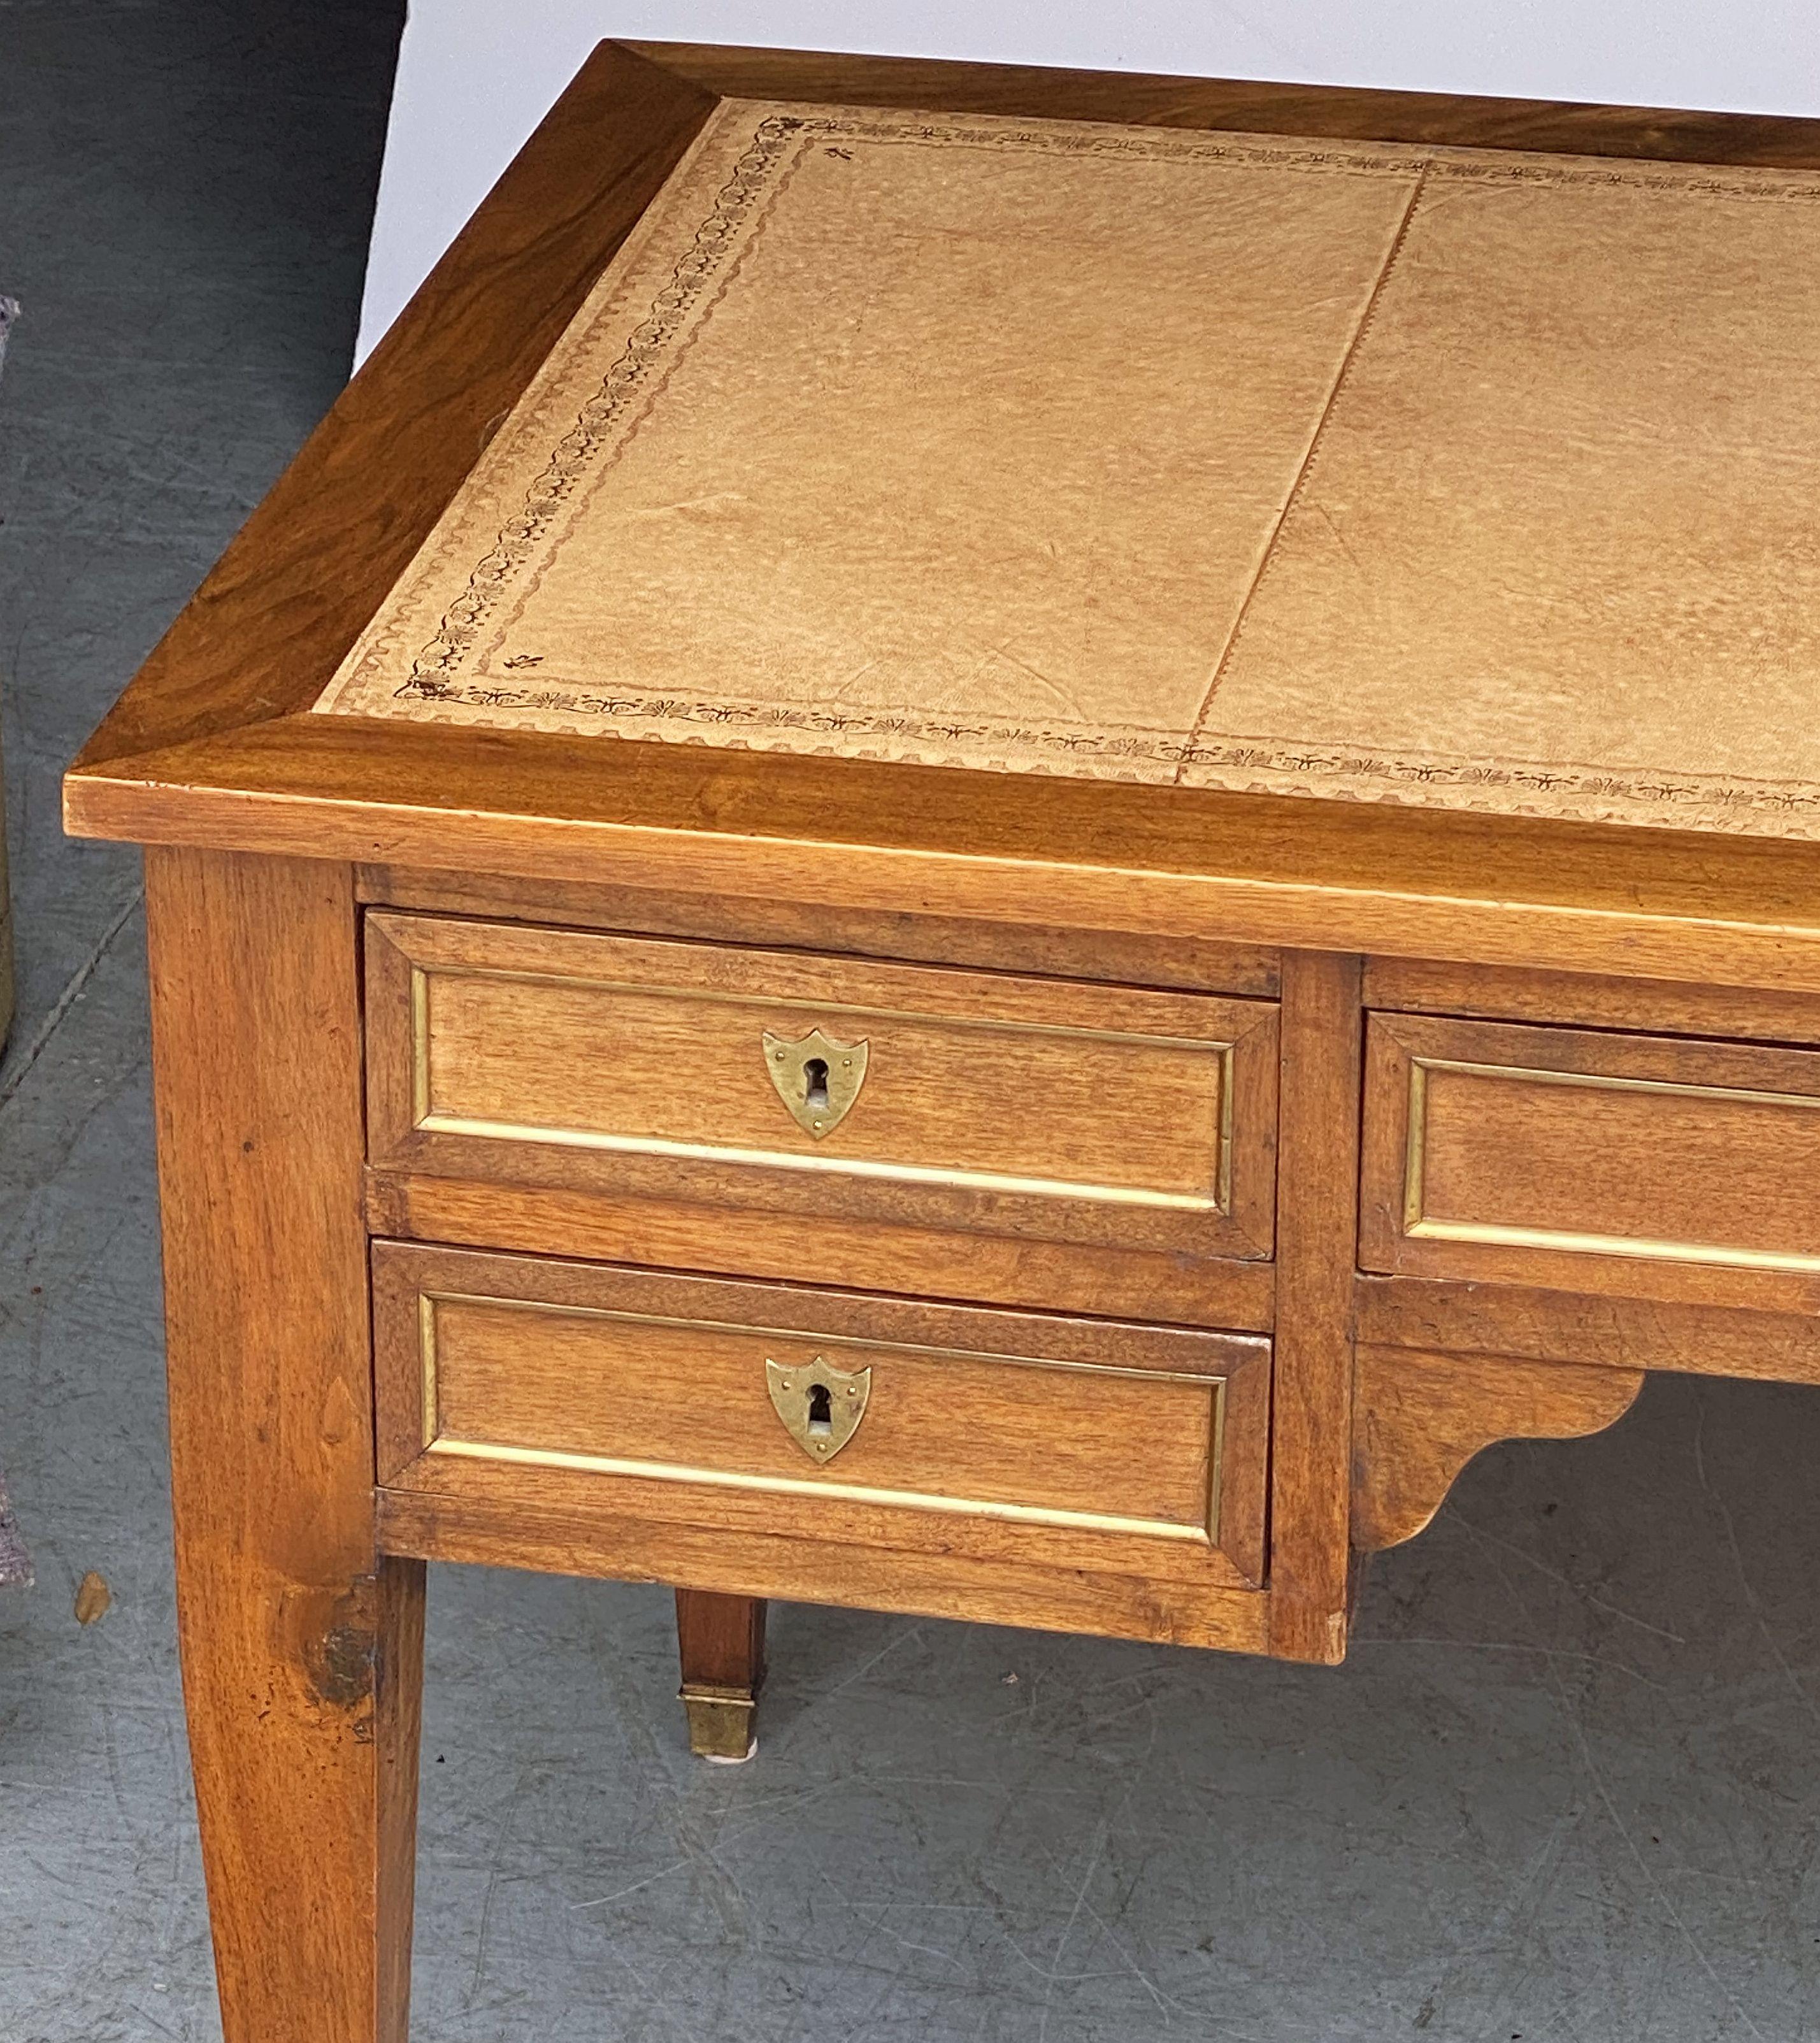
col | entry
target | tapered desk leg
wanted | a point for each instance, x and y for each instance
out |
(721, 1641)
(302, 1649)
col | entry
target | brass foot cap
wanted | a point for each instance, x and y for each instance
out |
(720, 1722)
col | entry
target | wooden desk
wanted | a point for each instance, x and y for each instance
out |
(978, 842)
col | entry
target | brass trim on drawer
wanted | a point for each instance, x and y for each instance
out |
(1060, 1188)
(435, 1442)
(912, 1500)
(1570, 1241)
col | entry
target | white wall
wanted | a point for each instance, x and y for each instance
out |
(476, 76)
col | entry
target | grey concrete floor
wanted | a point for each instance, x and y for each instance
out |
(1565, 1790)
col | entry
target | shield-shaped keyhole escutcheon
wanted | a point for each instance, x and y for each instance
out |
(821, 1407)
(817, 1077)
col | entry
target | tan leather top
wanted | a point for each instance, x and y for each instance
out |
(1451, 477)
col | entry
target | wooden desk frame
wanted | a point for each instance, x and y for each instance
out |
(299, 1588)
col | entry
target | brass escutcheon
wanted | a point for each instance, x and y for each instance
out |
(821, 1407)
(817, 1077)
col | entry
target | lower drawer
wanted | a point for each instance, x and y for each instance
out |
(764, 1410)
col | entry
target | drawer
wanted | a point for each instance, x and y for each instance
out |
(1587, 1159)
(793, 1082)
(764, 1410)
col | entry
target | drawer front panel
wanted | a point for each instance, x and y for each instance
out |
(1078, 1442)
(1076, 1111)
(1589, 1160)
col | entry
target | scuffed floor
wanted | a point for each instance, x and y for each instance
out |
(1566, 1790)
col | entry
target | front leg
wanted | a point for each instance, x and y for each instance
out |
(302, 1647)
(721, 1641)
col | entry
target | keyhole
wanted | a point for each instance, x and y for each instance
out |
(821, 1416)
(815, 1085)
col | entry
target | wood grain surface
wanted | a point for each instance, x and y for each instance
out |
(1109, 956)
(1419, 1418)
(1316, 1229)
(667, 1233)
(720, 1639)
(1195, 862)
(588, 1062)
(1590, 1000)
(561, 1537)
(1067, 1442)
(301, 1648)
(1253, 106)
(1693, 1337)
(1590, 1159)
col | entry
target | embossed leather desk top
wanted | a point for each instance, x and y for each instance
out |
(1464, 478)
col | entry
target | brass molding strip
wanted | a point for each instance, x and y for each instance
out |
(1417, 1225)
(1610, 1082)
(1613, 1244)
(420, 1045)
(1415, 1143)
(1223, 1171)
(513, 1131)
(426, 1305)
(1014, 1514)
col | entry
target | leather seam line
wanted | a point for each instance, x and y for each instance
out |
(1294, 496)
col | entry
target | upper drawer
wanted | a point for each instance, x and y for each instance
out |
(1100, 1114)
(1589, 1160)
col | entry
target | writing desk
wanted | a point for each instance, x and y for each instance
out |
(981, 842)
